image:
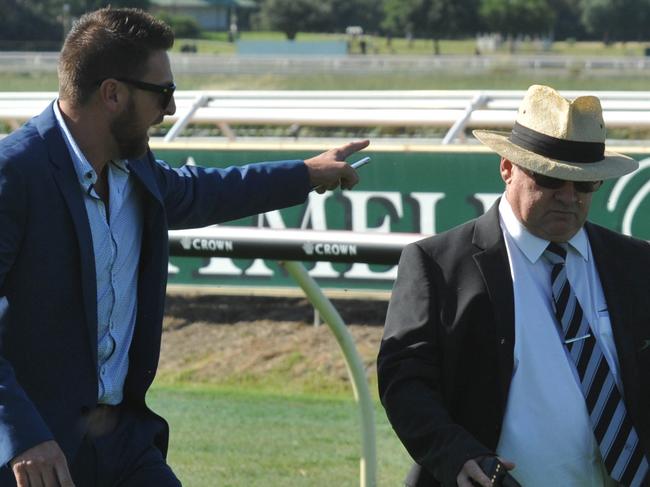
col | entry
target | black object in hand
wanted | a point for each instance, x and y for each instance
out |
(497, 473)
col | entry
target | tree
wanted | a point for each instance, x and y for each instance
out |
(293, 16)
(616, 20)
(365, 13)
(37, 20)
(18, 22)
(515, 17)
(184, 26)
(396, 15)
(446, 19)
(53, 8)
(568, 23)
(432, 19)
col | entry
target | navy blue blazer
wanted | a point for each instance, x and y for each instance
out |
(48, 309)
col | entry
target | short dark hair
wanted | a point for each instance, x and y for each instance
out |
(108, 43)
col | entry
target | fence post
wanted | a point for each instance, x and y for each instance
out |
(356, 371)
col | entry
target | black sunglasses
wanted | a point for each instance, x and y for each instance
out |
(553, 183)
(167, 91)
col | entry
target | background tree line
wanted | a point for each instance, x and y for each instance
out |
(26, 21)
(606, 20)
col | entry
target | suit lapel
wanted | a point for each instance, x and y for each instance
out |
(152, 280)
(610, 264)
(141, 169)
(492, 261)
(66, 179)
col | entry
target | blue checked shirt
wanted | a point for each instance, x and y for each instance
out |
(117, 238)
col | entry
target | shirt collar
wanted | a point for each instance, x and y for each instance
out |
(121, 165)
(85, 173)
(530, 245)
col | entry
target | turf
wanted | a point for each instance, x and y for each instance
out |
(228, 437)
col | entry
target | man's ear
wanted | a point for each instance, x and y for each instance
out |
(506, 170)
(112, 95)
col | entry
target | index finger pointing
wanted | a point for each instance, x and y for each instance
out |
(350, 148)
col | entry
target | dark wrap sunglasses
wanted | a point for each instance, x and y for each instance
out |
(553, 183)
(167, 91)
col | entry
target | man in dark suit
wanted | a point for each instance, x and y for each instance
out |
(522, 334)
(84, 212)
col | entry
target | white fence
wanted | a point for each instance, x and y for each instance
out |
(358, 64)
(452, 110)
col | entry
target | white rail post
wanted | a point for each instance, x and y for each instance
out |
(180, 124)
(459, 125)
(368, 462)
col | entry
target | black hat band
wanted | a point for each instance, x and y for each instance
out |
(554, 148)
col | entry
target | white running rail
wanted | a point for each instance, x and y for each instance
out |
(453, 110)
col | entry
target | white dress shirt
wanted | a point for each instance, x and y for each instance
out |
(546, 429)
(117, 241)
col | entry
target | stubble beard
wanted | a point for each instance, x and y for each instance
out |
(131, 142)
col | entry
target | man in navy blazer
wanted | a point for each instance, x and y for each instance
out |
(476, 359)
(84, 212)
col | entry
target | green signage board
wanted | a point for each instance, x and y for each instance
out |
(405, 189)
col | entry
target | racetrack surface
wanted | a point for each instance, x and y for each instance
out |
(264, 341)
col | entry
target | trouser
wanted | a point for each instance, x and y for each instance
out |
(119, 451)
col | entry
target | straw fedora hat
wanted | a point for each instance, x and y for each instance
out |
(559, 138)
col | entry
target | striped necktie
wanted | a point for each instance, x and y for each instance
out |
(616, 436)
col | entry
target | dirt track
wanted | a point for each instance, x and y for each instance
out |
(226, 339)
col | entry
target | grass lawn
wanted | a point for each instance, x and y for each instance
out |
(243, 437)
(498, 79)
(33, 81)
(505, 79)
(216, 43)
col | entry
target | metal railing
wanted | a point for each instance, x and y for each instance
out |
(453, 111)
(291, 247)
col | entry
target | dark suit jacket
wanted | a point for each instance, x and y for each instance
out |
(48, 303)
(446, 359)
